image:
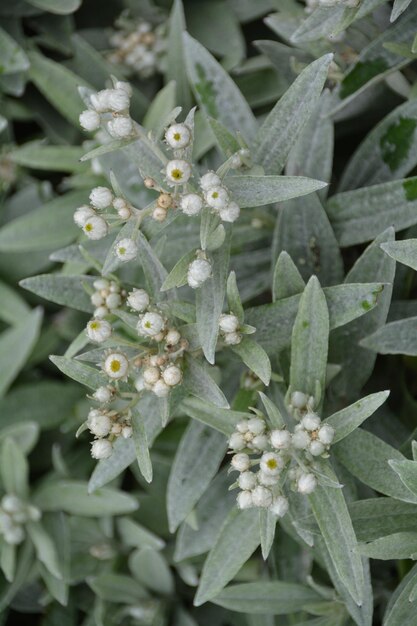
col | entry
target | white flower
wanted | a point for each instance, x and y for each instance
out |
(230, 213)
(116, 365)
(178, 136)
(82, 214)
(306, 483)
(211, 179)
(101, 312)
(100, 100)
(161, 389)
(95, 227)
(242, 426)
(113, 300)
(89, 120)
(120, 84)
(138, 300)
(271, 463)
(217, 197)
(280, 439)
(260, 442)
(244, 500)
(98, 330)
(237, 442)
(299, 400)
(228, 323)
(101, 197)
(311, 421)
(151, 375)
(11, 504)
(101, 449)
(103, 394)
(15, 535)
(266, 479)
(232, 339)
(240, 462)
(122, 208)
(300, 439)
(101, 283)
(256, 425)
(279, 506)
(120, 127)
(172, 337)
(198, 272)
(99, 423)
(97, 299)
(150, 324)
(191, 204)
(126, 249)
(139, 383)
(159, 214)
(127, 432)
(178, 172)
(34, 513)
(119, 100)
(247, 481)
(326, 434)
(262, 496)
(316, 447)
(172, 375)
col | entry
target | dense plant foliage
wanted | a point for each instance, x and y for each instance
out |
(208, 348)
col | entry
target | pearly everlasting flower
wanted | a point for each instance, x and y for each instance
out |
(82, 214)
(299, 400)
(95, 227)
(310, 421)
(122, 207)
(151, 375)
(101, 283)
(316, 448)
(89, 120)
(247, 481)
(240, 462)
(300, 439)
(279, 506)
(172, 375)
(101, 197)
(121, 84)
(138, 300)
(15, 535)
(161, 389)
(211, 179)
(100, 101)
(260, 442)
(127, 432)
(164, 200)
(217, 197)
(232, 339)
(198, 272)
(150, 324)
(306, 484)
(98, 330)
(256, 425)
(173, 337)
(280, 439)
(268, 480)
(159, 214)
(119, 100)
(262, 496)
(191, 204)
(271, 463)
(120, 127)
(99, 423)
(237, 441)
(228, 323)
(244, 500)
(101, 449)
(11, 504)
(230, 212)
(178, 172)
(126, 249)
(116, 365)
(178, 136)
(326, 434)
(103, 394)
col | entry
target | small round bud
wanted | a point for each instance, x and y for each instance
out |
(280, 439)
(82, 214)
(247, 481)
(230, 213)
(306, 484)
(326, 434)
(151, 375)
(240, 462)
(244, 500)
(172, 375)
(211, 179)
(127, 432)
(95, 228)
(14, 536)
(198, 272)
(172, 337)
(126, 250)
(113, 301)
(120, 84)
(138, 300)
(120, 127)
(101, 312)
(116, 365)
(228, 323)
(260, 442)
(316, 448)
(97, 299)
(101, 283)
(191, 204)
(101, 449)
(178, 136)
(89, 120)
(217, 197)
(159, 214)
(242, 426)
(267, 479)
(178, 172)
(262, 496)
(256, 425)
(271, 463)
(279, 506)
(99, 423)
(124, 213)
(150, 324)
(119, 100)
(237, 441)
(149, 183)
(98, 330)
(164, 200)
(103, 394)
(101, 197)
(300, 440)
(34, 513)
(11, 504)
(161, 389)
(100, 100)
(299, 400)
(310, 421)
(232, 339)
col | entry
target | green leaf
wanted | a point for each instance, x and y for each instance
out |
(13, 57)
(377, 517)
(133, 534)
(394, 338)
(71, 496)
(216, 92)
(402, 251)
(62, 289)
(196, 462)
(13, 308)
(223, 420)
(351, 417)
(45, 548)
(254, 191)
(60, 7)
(23, 566)
(198, 382)
(14, 469)
(47, 227)
(255, 357)
(401, 545)
(233, 297)
(287, 280)
(236, 542)
(267, 598)
(141, 445)
(407, 471)
(38, 156)
(118, 588)
(284, 123)
(16, 344)
(400, 610)
(175, 62)
(25, 434)
(178, 275)
(155, 273)
(399, 7)
(150, 568)
(226, 141)
(8, 561)
(84, 374)
(274, 414)
(267, 524)
(156, 118)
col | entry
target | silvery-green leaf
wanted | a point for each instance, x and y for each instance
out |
(238, 538)
(23, 566)
(175, 68)
(303, 230)
(402, 251)
(402, 545)
(60, 7)
(71, 496)
(407, 471)
(255, 357)
(38, 156)
(118, 588)
(356, 450)
(387, 152)
(13, 308)
(394, 338)
(273, 412)
(400, 610)
(196, 462)
(216, 238)
(62, 289)
(154, 271)
(226, 141)
(377, 517)
(267, 524)
(351, 417)
(156, 118)
(267, 597)
(287, 280)
(332, 515)
(112, 146)
(254, 191)
(198, 382)
(309, 343)
(273, 322)
(14, 469)
(13, 57)
(46, 227)
(233, 297)
(178, 275)
(24, 434)
(45, 548)
(141, 445)
(284, 123)
(8, 561)
(210, 299)
(84, 374)
(134, 534)
(399, 7)
(215, 91)
(223, 420)
(151, 569)
(16, 344)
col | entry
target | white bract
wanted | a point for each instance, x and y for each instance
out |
(217, 197)
(101, 197)
(98, 330)
(89, 120)
(116, 365)
(126, 249)
(178, 136)
(120, 127)
(150, 324)
(119, 100)
(82, 214)
(306, 483)
(191, 204)
(228, 323)
(198, 272)
(211, 179)
(95, 227)
(172, 375)
(178, 172)
(99, 423)
(138, 300)
(230, 212)
(103, 394)
(101, 449)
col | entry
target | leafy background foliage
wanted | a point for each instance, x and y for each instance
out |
(326, 274)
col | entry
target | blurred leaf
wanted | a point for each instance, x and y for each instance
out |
(255, 357)
(13, 57)
(254, 191)
(198, 382)
(351, 417)
(61, 7)
(62, 289)
(14, 469)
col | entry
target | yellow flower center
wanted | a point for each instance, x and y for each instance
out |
(215, 194)
(122, 250)
(272, 464)
(148, 325)
(115, 365)
(95, 325)
(88, 227)
(177, 136)
(177, 174)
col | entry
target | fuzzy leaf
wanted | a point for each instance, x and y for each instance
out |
(62, 289)
(401, 611)
(394, 338)
(346, 420)
(175, 69)
(255, 357)
(223, 420)
(84, 374)
(287, 280)
(141, 445)
(254, 191)
(199, 383)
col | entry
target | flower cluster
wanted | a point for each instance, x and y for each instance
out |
(111, 108)
(278, 455)
(107, 297)
(90, 217)
(140, 49)
(229, 329)
(14, 514)
(106, 425)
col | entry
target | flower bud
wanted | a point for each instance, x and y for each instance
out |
(89, 120)
(217, 197)
(326, 434)
(95, 227)
(178, 136)
(127, 432)
(98, 330)
(299, 400)
(126, 250)
(211, 179)
(271, 463)
(240, 462)
(232, 339)
(172, 337)
(306, 484)
(244, 500)
(151, 375)
(119, 100)
(279, 506)
(247, 481)
(99, 424)
(230, 212)
(113, 301)
(191, 204)
(161, 389)
(280, 439)
(311, 421)
(150, 324)
(237, 441)
(159, 214)
(101, 449)
(103, 394)
(82, 214)
(256, 425)
(198, 272)
(120, 127)
(316, 448)
(228, 323)
(262, 496)
(300, 440)
(138, 300)
(101, 197)
(172, 375)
